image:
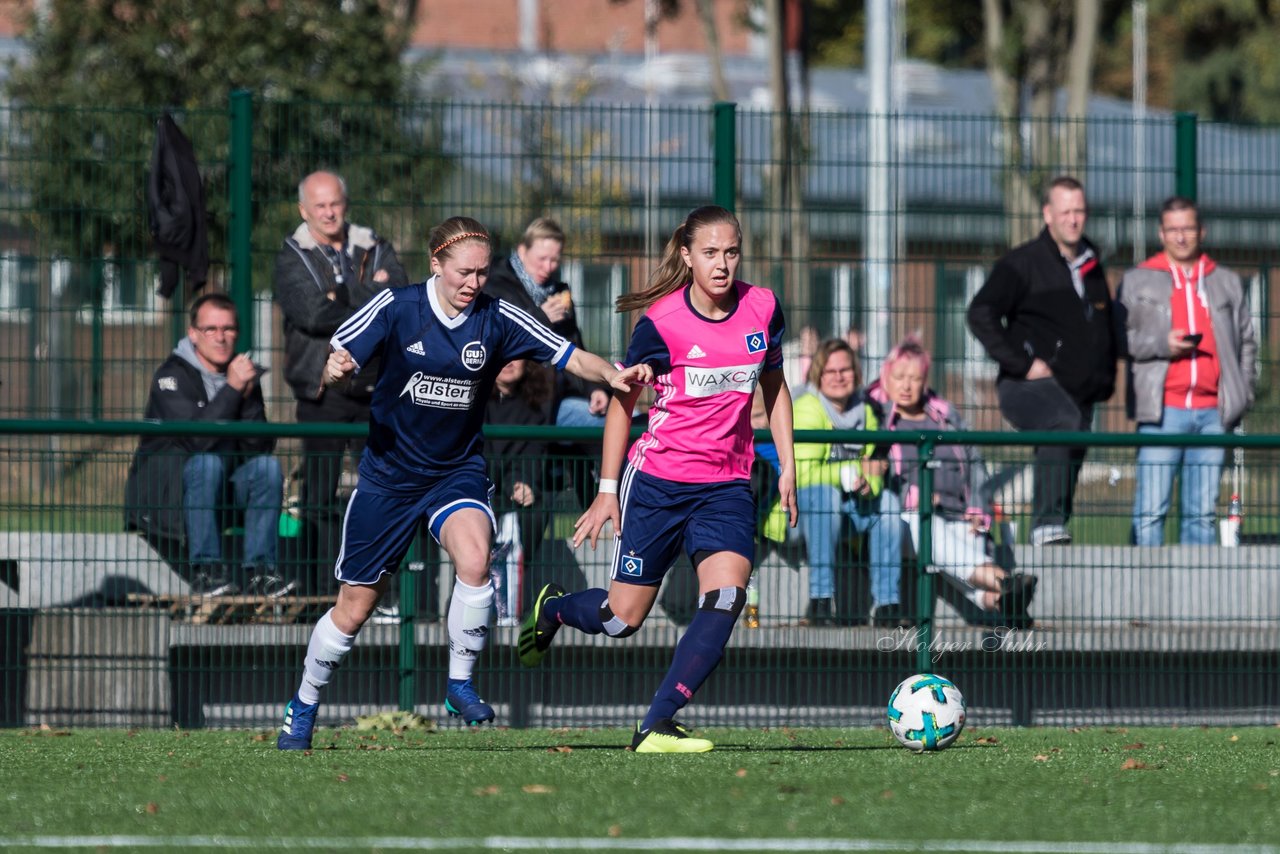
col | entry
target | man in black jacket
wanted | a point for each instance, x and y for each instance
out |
(1045, 315)
(528, 278)
(179, 487)
(326, 270)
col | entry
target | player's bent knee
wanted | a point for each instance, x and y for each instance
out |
(728, 599)
(614, 626)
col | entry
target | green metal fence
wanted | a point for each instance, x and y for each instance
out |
(99, 626)
(83, 327)
(1125, 634)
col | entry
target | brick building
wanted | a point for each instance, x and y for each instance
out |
(576, 26)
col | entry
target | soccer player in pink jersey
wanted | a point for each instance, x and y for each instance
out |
(709, 340)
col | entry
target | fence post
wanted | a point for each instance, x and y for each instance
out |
(240, 226)
(1184, 158)
(924, 558)
(407, 684)
(726, 154)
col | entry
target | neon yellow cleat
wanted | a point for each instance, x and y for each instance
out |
(668, 736)
(536, 634)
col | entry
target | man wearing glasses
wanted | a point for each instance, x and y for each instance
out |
(180, 488)
(1192, 364)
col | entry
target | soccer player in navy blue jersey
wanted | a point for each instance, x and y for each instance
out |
(441, 344)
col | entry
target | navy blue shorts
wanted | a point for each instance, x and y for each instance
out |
(378, 529)
(661, 517)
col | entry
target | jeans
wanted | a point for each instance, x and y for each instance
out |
(1200, 470)
(821, 511)
(256, 486)
(575, 412)
(1043, 405)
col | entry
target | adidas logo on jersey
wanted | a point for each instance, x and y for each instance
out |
(416, 349)
(696, 352)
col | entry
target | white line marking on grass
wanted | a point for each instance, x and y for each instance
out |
(611, 844)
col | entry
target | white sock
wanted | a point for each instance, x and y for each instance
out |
(325, 652)
(469, 609)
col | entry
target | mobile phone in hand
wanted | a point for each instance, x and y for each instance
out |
(1193, 339)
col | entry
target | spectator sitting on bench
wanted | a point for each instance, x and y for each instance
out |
(961, 515)
(178, 486)
(836, 481)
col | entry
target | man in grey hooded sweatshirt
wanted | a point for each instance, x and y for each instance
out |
(179, 487)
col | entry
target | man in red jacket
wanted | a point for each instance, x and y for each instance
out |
(1192, 360)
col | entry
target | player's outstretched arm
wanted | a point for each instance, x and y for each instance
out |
(777, 405)
(617, 434)
(592, 368)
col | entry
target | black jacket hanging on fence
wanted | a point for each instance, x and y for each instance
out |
(175, 202)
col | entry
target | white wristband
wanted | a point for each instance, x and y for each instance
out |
(608, 485)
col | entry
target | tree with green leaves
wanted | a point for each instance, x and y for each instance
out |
(328, 86)
(1033, 49)
(1224, 61)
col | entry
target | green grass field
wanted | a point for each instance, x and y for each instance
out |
(1078, 790)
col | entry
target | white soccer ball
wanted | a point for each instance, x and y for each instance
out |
(926, 712)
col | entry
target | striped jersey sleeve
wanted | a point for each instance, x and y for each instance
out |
(362, 333)
(527, 338)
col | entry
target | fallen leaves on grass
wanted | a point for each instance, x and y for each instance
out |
(397, 722)
(536, 789)
(741, 772)
(1137, 745)
(615, 830)
(560, 748)
(485, 791)
(1134, 765)
(988, 739)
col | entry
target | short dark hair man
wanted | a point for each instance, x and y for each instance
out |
(179, 486)
(1045, 315)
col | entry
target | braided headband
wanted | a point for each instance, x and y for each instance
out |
(463, 236)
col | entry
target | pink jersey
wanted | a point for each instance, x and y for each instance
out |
(705, 373)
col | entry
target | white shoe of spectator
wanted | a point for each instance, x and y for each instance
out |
(1051, 535)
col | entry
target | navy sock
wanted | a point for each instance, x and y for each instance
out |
(580, 610)
(697, 656)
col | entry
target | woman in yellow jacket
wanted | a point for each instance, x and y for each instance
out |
(836, 481)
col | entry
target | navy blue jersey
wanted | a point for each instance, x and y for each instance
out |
(437, 373)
